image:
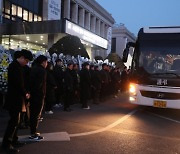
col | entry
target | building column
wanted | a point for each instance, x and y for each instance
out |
(75, 13)
(45, 10)
(0, 39)
(87, 20)
(93, 24)
(89, 51)
(102, 29)
(106, 31)
(98, 26)
(81, 16)
(67, 7)
(50, 40)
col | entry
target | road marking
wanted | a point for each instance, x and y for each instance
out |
(105, 128)
(176, 121)
(64, 136)
(129, 132)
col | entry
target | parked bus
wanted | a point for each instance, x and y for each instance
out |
(155, 71)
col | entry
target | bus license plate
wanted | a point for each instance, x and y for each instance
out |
(161, 104)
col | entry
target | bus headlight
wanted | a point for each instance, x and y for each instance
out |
(132, 99)
(132, 89)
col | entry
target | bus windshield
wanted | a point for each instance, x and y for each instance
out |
(160, 56)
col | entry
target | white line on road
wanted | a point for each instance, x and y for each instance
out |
(64, 136)
(165, 118)
(105, 128)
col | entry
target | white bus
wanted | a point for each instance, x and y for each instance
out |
(155, 70)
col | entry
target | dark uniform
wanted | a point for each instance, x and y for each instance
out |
(85, 86)
(38, 91)
(16, 95)
(25, 116)
(76, 86)
(68, 87)
(58, 75)
(15, 102)
(105, 78)
(124, 80)
(50, 98)
(115, 76)
(96, 85)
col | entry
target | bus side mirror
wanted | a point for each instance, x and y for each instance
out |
(125, 55)
(126, 51)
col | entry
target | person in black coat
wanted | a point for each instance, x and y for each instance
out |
(76, 84)
(25, 116)
(59, 75)
(68, 87)
(50, 89)
(37, 91)
(124, 80)
(115, 76)
(91, 71)
(85, 85)
(96, 84)
(15, 102)
(105, 79)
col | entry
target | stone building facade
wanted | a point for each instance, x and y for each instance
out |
(49, 19)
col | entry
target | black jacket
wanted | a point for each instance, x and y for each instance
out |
(16, 89)
(50, 87)
(26, 73)
(58, 75)
(85, 84)
(68, 80)
(76, 80)
(105, 77)
(96, 79)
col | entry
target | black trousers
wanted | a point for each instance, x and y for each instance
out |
(68, 99)
(104, 91)
(10, 135)
(25, 117)
(96, 95)
(84, 103)
(48, 105)
(35, 113)
(59, 95)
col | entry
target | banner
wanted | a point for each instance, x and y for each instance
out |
(54, 9)
(109, 38)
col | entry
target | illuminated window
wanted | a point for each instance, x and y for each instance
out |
(39, 18)
(7, 16)
(7, 7)
(19, 12)
(25, 15)
(35, 18)
(30, 17)
(13, 8)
